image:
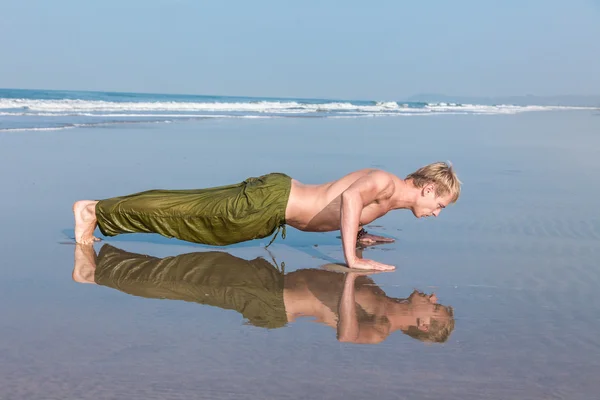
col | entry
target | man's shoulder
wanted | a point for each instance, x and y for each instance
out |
(372, 171)
(381, 175)
(376, 179)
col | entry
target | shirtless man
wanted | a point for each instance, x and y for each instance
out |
(257, 207)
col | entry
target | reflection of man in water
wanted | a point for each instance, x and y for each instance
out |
(351, 303)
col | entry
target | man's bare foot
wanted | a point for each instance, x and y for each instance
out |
(85, 221)
(85, 263)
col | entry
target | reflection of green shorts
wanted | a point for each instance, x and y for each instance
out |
(223, 215)
(254, 288)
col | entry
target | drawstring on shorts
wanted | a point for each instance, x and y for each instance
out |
(279, 228)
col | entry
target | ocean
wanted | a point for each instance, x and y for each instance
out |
(26, 110)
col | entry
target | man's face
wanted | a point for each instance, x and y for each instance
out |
(428, 204)
(425, 308)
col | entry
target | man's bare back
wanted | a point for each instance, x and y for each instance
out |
(346, 204)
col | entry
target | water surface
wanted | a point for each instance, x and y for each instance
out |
(516, 258)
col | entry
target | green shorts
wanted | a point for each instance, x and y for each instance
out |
(254, 288)
(252, 209)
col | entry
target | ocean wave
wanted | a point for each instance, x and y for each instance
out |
(101, 107)
(124, 115)
(496, 109)
(29, 106)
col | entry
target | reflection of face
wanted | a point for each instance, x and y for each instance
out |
(425, 309)
(428, 204)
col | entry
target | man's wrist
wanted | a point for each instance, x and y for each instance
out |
(352, 260)
(361, 232)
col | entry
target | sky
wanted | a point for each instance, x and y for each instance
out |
(350, 49)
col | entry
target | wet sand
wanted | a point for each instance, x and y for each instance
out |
(516, 258)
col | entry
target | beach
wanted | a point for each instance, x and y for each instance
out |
(516, 258)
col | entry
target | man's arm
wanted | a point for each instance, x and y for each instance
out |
(349, 328)
(374, 186)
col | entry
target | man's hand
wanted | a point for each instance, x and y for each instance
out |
(363, 263)
(354, 273)
(368, 239)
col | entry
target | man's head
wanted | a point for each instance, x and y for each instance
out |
(434, 322)
(438, 187)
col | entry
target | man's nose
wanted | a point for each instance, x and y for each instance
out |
(436, 213)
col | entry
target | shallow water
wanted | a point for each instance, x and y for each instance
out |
(516, 258)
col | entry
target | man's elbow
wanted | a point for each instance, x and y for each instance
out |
(351, 197)
(347, 338)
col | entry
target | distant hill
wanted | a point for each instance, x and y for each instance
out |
(565, 100)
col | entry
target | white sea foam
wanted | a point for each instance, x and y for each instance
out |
(162, 109)
(118, 122)
(124, 115)
(81, 125)
(55, 128)
(497, 109)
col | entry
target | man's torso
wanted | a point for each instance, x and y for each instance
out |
(316, 208)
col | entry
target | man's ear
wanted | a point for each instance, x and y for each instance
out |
(429, 189)
(422, 327)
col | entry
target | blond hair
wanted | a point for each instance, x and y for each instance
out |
(440, 174)
(440, 326)
(439, 329)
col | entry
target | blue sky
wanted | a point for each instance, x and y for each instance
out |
(380, 50)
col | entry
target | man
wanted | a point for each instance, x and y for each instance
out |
(257, 207)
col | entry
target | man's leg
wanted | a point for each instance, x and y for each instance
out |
(85, 221)
(216, 216)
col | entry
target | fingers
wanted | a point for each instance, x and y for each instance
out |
(382, 267)
(372, 265)
(383, 239)
(364, 240)
(369, 239)
(365, 272)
